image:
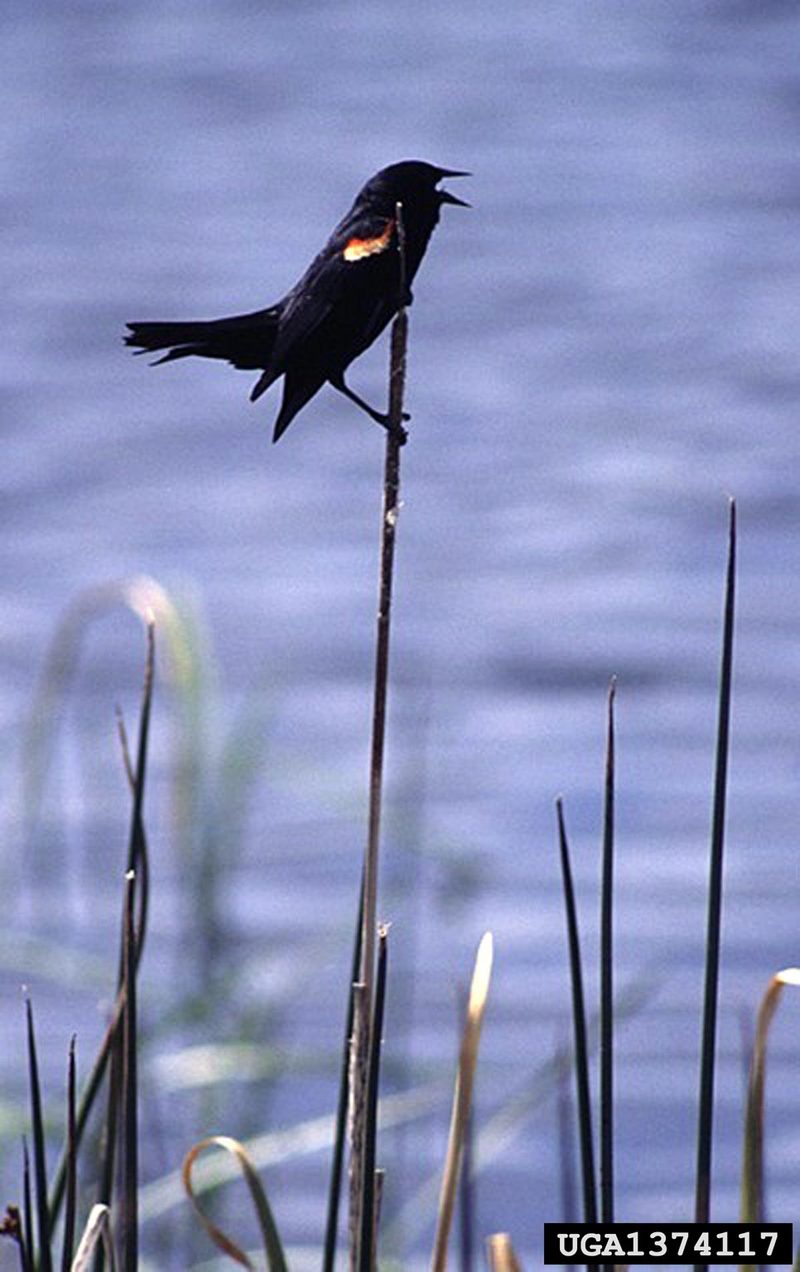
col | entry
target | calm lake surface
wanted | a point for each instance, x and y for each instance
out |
(602, 351)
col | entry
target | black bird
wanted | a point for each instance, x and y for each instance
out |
(345, 299)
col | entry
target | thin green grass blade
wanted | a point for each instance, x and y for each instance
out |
(25, 1259)
(72, 1166)
(105, 1191)
(368, 1235)
(129, 1217)
(137, 852)
(27, 1207)
(714, 922)
(86, 1101)
(136, 832)
(137, 844)
(145, 598)
(138, 857)
(273, 1248)
(87, 1098)
(337, 1162)
(39, 1158)
(274, 1148)
(579, 1029)
(607, 980)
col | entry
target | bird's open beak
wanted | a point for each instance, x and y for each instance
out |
(445, 196)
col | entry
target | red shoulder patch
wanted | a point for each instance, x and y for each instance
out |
(356, 249)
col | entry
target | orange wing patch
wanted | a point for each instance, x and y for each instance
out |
(358, 248)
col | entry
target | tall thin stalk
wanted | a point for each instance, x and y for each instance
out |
(579, 1029)
(607, 980)
(462, 1099)
(129, 1210)
(367, 1252)
(337, 1160)
(27, 1207)
(137, 860)
(45, 1263)
(391, 495)
(714, 925)
(72, 1166)
(363, 996)
(109, 1137)
(466, 1198)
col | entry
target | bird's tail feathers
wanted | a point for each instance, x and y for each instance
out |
(245, 341)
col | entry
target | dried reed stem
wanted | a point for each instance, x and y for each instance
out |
(752, 1188)
(500, 1253)
(363, 999)
(462, 1099)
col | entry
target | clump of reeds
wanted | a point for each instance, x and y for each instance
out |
(600, 1203)
(116, 1063)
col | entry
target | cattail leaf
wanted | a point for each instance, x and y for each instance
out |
(462, 1097)
(96, 1235)
(39, 1158)
(500, 1253)
(705, 1112)
(273, 1249)
(752, 1183)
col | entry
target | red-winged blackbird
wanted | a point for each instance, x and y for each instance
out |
(346, 297)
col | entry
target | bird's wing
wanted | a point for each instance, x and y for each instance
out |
(331, 276)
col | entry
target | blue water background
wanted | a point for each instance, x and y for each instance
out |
(602, 351)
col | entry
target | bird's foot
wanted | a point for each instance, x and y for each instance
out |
(397, 429)
(400, 433)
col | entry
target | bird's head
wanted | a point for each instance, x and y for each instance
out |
(413, 183)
